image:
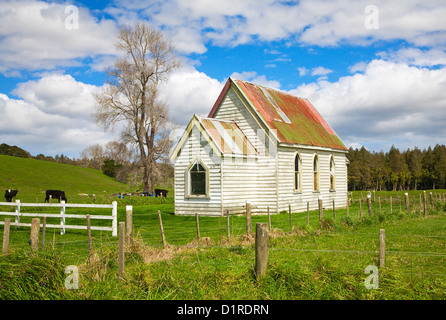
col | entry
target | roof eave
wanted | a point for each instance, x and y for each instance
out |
(309, 147)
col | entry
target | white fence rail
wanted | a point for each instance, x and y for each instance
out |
(62, 215)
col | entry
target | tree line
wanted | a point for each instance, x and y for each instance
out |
(412, 169)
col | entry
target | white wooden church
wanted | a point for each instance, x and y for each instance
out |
(262, 146)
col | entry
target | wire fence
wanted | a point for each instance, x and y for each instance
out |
(212, 234)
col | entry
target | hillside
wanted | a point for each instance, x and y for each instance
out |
(32, 177)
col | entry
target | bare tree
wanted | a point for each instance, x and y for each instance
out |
(131, 94)
(92, 156)
(117, 151)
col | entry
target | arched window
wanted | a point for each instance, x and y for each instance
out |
(316, 173)
(198, 179)
(332, 174)
(297, 173)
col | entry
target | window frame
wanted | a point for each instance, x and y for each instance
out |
(297, 173)
(316, 174)
(332, 174)
(188, 186)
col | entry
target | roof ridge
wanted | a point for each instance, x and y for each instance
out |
(274, 89)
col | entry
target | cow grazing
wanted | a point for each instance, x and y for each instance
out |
(55, 194)
(9, 194)
(161, 193)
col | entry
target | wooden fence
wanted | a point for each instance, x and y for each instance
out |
(63, 215)
(125, 239)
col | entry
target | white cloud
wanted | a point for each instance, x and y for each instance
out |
(190, 92)
(388, 103)
(302, 71)
(417, 57)
(360, 66)
(34, 36)
(192, 24)
(58, 94)
(51, 116)
(253, 77)
(320, 71)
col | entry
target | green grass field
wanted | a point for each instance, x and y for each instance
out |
(32, 177)
(305, 261)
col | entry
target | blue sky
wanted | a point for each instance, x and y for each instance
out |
(375, 71)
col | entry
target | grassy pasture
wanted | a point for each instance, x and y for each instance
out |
(32, 177)
(305, 261)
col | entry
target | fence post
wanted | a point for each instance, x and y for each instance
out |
(360, 207)
(391, 210)
(334, 211)
(399, 199)
(6, 228)
(348, 204)
(369, 204)
(289, 214)
(406, 202)
(424, 203)
(308, 212)
(227, 222)
(121, 254)
(90, 250)
(43, 233)
(62, 219)
(382, 247)
(162, 229)
(321, 210)
(269, 220)
(261, 249)
(432, 199)
(35, 226)
(198, 227)
(248, 218)
(17, 213)
(129, 225)
(115, 219)
(413, 205)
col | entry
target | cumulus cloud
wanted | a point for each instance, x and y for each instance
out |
(302, 71)
(253, 77)
(320, 71)
(189, 92)
(53, 114)
(416, 56)
(389, 103)
(193, 24)
(37, 35)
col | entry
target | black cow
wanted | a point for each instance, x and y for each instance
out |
(55, 194)
(9, 194)
(161, 193)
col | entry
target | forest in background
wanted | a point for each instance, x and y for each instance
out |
(412, 169)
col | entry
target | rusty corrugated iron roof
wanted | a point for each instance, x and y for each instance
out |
(228, 136)
(295, 119)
